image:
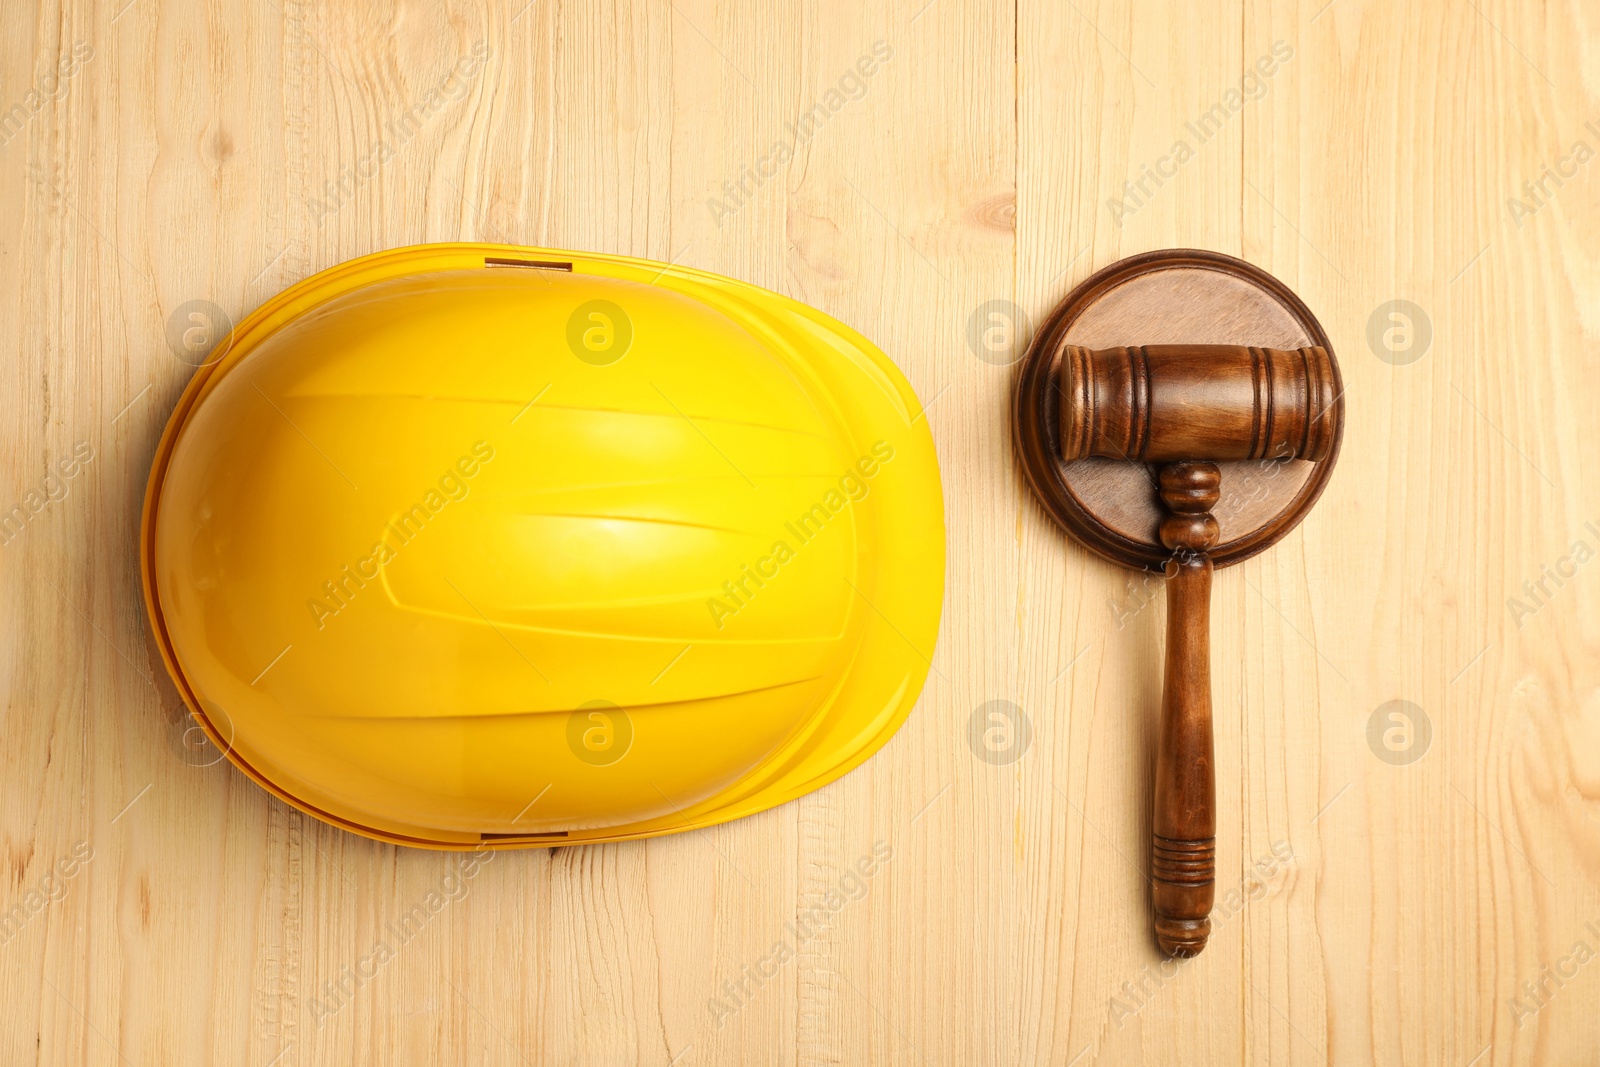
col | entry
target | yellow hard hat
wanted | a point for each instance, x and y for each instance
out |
(463, 545)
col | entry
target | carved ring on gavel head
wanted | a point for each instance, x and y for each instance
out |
(1180, 411)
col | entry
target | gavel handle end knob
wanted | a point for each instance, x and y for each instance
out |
(1183, 874)
(1182, 938)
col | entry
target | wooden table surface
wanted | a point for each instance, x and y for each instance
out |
(1411, 883)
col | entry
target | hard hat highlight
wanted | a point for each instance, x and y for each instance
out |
(466, 545)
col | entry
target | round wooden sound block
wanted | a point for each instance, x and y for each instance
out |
(1170, 297)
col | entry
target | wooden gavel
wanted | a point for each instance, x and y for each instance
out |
(1132, 449)
(1186, 407)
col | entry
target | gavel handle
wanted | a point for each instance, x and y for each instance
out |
(1183, 861)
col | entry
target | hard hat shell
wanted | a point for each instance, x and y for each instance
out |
(476, 545)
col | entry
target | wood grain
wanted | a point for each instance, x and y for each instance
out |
(1371, 907)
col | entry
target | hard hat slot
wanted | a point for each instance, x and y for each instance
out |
(552, 836)
(545, 264)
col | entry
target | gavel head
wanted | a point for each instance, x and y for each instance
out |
(1178, 359)
(1163, 403)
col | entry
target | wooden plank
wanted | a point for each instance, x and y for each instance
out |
(1107, 96)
